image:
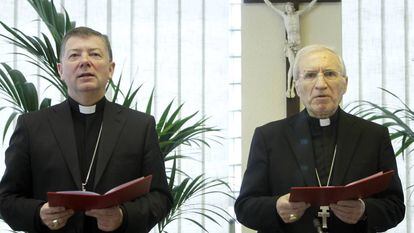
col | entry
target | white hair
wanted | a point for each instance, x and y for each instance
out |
(313, 48)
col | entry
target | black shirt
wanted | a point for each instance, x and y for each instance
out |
(86, 127)
(323, 142)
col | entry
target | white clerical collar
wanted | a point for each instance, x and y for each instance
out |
(87, 109)
(324, 122)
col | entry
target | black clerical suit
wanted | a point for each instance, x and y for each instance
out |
(42, 157)
(281, 156)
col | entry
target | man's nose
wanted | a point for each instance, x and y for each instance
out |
(84, 60)
(320, 81)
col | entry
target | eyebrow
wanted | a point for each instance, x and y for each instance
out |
(317, 70)
(89, 50)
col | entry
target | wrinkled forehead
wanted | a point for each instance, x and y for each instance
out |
(320, 59)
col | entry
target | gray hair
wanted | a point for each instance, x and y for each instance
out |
(310, 49)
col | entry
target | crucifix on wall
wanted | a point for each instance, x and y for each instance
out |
(291, 19)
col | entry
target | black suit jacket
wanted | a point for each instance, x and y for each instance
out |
(281, 156)
(42, 157)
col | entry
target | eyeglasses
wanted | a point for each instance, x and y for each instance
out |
(313, 74)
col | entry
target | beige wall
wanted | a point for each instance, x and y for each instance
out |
(263, 61)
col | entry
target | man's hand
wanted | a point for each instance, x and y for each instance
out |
(290, 211)
(54, 217)
(350, 211)
(108, 219)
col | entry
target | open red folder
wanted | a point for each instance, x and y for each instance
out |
(320, 196)
(85, 200)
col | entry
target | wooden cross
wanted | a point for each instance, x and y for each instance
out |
(292, 104)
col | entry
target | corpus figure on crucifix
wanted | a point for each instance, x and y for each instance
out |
(292, 26)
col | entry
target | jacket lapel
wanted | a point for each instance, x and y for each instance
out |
(300, 139)
(348, 136)
(60, 119)
(113, 121)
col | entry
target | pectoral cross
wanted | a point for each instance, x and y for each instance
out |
(324, 213)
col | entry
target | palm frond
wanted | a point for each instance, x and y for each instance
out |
(41, 53)
(11, 118)
(21, 95)
(40, 50)
(190, 189)
(57, 23)
(128, 98)
(149, 103)
(173, 132)
(397, 120)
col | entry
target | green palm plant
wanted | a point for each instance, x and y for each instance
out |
(173, 131)
(397, 120)
(19, 94)
(40, 51)
(190, 189)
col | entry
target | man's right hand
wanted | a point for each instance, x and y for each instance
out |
(290, 211)
(54, 217)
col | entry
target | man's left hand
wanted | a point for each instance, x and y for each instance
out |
(108, 219)
(350, 211)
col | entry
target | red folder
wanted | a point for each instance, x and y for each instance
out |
(320, 196)
(85, 200)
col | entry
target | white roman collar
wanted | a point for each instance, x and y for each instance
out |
(87, 109)
(324, 122)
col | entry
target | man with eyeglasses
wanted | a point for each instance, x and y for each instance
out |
(320, 146)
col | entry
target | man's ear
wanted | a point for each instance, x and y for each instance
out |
(59, 67)
(111, 69)
(295, 85)
(346, 84)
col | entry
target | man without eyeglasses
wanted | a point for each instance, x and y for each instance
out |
(320, 146)
(85, 143)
